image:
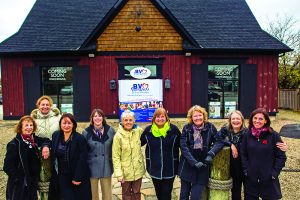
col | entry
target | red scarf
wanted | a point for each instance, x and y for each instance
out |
(28, 138)
(256, 132)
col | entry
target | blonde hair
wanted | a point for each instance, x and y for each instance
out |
(240, 114)
(42, 98)
(196, 108)
(160, 111)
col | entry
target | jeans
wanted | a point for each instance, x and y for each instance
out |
(191, 191)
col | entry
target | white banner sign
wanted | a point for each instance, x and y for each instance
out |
(140, 90)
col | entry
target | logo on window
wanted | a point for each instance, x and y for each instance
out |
(140, 72)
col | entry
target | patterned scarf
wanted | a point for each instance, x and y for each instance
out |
(28, 138)
(99, 132)
(256, 132)
(198, 140)
(158, 132)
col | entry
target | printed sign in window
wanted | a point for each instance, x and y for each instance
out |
(229, 107)
(214, 110)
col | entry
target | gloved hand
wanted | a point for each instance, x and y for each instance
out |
(200, 165)
(208, 160)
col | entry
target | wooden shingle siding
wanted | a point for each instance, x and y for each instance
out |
(156, 32)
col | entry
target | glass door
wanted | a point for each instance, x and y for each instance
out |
(57, 83)
(222, 90)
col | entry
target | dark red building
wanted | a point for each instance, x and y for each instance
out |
(212, 53)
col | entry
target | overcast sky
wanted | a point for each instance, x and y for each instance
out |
(14, 12)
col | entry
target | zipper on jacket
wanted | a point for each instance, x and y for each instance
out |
(162, 158)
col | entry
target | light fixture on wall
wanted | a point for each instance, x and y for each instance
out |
(188, 54)
(113, 84)
(167, 83)
(91, 55)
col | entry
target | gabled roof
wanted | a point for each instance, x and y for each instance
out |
(70, 25)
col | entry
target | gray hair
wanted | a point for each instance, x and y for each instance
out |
(127, 113)
(240, 114)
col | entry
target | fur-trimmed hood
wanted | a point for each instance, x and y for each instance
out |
(38, 115)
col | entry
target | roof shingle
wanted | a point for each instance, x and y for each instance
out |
(54, 25)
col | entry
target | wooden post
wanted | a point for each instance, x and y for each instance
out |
(220, 180)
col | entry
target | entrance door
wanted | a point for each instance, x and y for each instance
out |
(223, 87)
(57, 83)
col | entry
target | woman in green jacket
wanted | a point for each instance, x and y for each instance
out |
(128, 160)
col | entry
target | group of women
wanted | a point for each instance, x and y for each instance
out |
(48, 151)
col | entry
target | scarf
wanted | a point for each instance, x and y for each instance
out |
(99, 132)
(29, 139)
(158, 132)
(256, 132)
(198, 140)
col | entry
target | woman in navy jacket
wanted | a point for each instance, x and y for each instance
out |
(162, 153)
(198, 147)
(70, 170)
(262, 161)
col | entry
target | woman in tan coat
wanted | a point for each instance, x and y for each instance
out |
(128, 160)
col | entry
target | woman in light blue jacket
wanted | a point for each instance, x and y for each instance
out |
(99, 137)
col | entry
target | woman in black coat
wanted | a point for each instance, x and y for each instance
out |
(262, 161)
(198, 147)
(162, 153)
(70, 171)
(232, 135)
(22, 161)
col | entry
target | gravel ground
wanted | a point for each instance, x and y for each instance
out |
(290, 180)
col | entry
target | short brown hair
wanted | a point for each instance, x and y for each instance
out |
(101, 113)
(196, 108)
(160, 111)
(18, 128)
(42, 98)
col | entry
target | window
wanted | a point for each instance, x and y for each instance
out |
(57, 83)
(223, 87)
(127, 66)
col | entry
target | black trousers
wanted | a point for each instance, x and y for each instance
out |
(237, 177)
(251, 197)
(163, 188)
(236, 188)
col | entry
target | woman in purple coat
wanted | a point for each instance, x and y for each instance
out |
(262, 161)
